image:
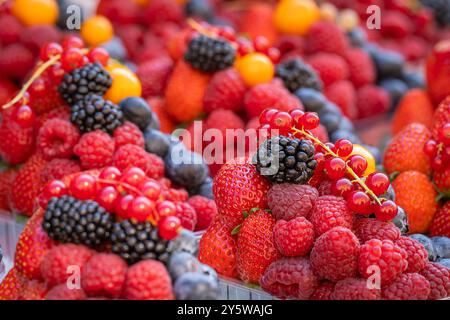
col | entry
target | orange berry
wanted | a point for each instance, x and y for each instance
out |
(296, 16)
(35, 12)
(255, 68)
(97, 30)
(366, 154)
(125, 83)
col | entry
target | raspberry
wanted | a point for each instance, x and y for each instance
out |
(326, 36)
(396, 24)
(95, 149)
(343, 94)
(104, 275)
(16, 61)
(409, 286)
(187, 215)
(175, 195)
(372, 100)
(288, 201)
(6, 179)
(44, 95)
(55, 264)
(163, 11)
(367, 228)
(57, 138)
(206, 210)
(133, 156)
(34, 37)
(295, 237)
(148, 280)
(335, 254)
(62, 112)
(330, 67)
(384, 254)
(354, 289)
(7, 90)
(362, 69)
(222, 120)
(154, 75)
(128, 133)
(290, 278)
(62, 292)
(417, 254)
(226, 90)
(330, 212)
(439, 278)
(33, 290)
(323, 291)
(324, 188)
(10, 29)
(57, 169)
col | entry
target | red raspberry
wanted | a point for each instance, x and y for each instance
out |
(95, 150)
(6, 179)
(354, 289)
(417, 254)
(10, 29)
(323, 291)
(62, 112)
(33, 290)
(326, 36)
(34, 37)
(362, 69)
(368, 228)
(343, 94)
(148, 280)
(324, 188)
(154, 75)
(133, 156)
(294, 237)
(44, 94)
(176, 195)
(290, 278)
(128, 133)
(330, 212)
(335, 254)
(7, 90)
(288, 201)
(396, 24)
(439, 278)
(163, 11)
(384, 254)
(321, 133)
(62, 292)
(372, 101)
(409, 286)
(330, 67)
(58, 169)
(226, 90)
(16, 61)
(55, 264)
(206, 210)
(57, 138)
(104, 275)
(187, 215)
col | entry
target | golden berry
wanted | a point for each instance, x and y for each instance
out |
(97, 30)
(35, 12)
(124, 83)
(255, 68)
(296, 16)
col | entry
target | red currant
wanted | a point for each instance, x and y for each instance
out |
(261, 44)
(98, 54)
(83, 187)
(430, 148)
(56, 188)
(266, 115)
(386, 211)
(310, 120)
(169, 227)
(274, 54)
(437, 164)
(49, 50)
(342, 187)
(359, 202)
(151, 189)
(141, 208)
(166, 208)
(320, 158)
(72, 59)
(123, 206)
(343, 147)
(25, 116)
(110, 173)
(107, 198)
(296, 115)
(444, 134)
(358, 164)
(72, 41)
(281, 121)
(56, 73)
(335, 168)
(228, 33)
(244, 47)
(133, 176)
(377, 182)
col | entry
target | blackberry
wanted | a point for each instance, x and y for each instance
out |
(67, 219)
(282, 159)
(135, 241)
(77, 84)
(441, 10)
(209, 54)
(93, 112)
(296, 74)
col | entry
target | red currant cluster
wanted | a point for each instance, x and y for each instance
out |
(439, 150)
(337, 163)
(130, 195)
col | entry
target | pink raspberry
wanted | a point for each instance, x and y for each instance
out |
(95, 150)
(290, 278)
(385, 255)
(355, 289)
(57, 139)
(288, 201)
(324, 188)
(368, 228)
(417, 254)
(131, 155)
(439, 278)
(155, 166)
(206, 210)
(56, 169)
(330, 212)
(335, 254)
(409, 286)
(294, 237)
(175, 195)
(187, 215)
(62, 292)
(323, 291)
(128, 133)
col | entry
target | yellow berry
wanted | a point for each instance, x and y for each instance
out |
(35, 12)
(124, 83)
(255, 68)
(296, 16)
(328, 11)
(97, 30)
(371, 164)
(348, 19)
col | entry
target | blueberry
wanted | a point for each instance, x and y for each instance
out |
(155, 124)
(396, 89)
(357, 37)
(330, 107)
(413, 78)
(346, 124)
(390, 193)
(331, 122)
(116, 49)
(182, 262)
(187, 241)
(1, 253)
(442, 247)
(205, 189)
(401, 220)
(156, 142)
(444, 262)
(374, 151)
(344, 134)
(196, 286)
(311, 99)
(199, 9)
(185, 168)
(137, 110)
(388, 63)
(427, 243)
(207, 270)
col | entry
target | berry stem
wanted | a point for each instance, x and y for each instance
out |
(122, 184)
(199, 28)
(348, 169)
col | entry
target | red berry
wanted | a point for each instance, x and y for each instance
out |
(141, 208)
(320, 158)
(228, 33)
(123, 206)
(56, 188)
(335, 167)
(169, 227)
(151, 190)
(437, 164)
(72, 59)
(72, 41)
(274, 54)
(386, 211)
(166, 209)
(133, 176)
(244, 46)
(56, 73)
(110, 173)
(281, 121)
(25, 116)
(266, 115)
(359, 202)
(98, 54)
(296, 115)
(378, 182)
(358, 164)
(430, 148)
(107, 198)
(342, 187)
(261, 44)
(343, 147)
(50, 50)
(444, 134)
(83, 187)
(310, 120)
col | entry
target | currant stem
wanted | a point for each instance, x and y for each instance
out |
(123, 184)
(349, 170)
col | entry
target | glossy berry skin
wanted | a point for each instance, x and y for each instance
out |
(444, 134)
(141, 208)
(151, 190)
(166, 209)
(169, 227)
(274, 54)
(50, 50)
(296, 115)
(281, 121)
(342, 187)
(335, 168)
(386, 211)
(98, 54)
(110, 173)
(133, 177)
(343, 147)
(310, 120)
(56, 188)
(261, 44)
(123, 206)
(266, 115)
(378, 183)
(256, 68)
(359, 202)
(25, 116)
(107, 198)
(72, 59)
(358, 164)
(430, 148)
(83, 187)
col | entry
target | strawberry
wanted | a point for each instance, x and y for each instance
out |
(441, 116)
(255, 246)
(438, 71)
(238, 187)
(442, 180)
(441, 222)
(6, 180)
(405, 152)
(153, 75)
(415, 193)
(254, 23)
(11, 286)
(33, 290)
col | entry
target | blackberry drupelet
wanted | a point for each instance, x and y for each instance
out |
(282, 159)
(296, 74)
(91, 78)
(67, 219)
(441, 10)
(210, 54)
(93, 112)
(135, 241)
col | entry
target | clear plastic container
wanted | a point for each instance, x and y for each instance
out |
(10, 228)
(234, 290)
